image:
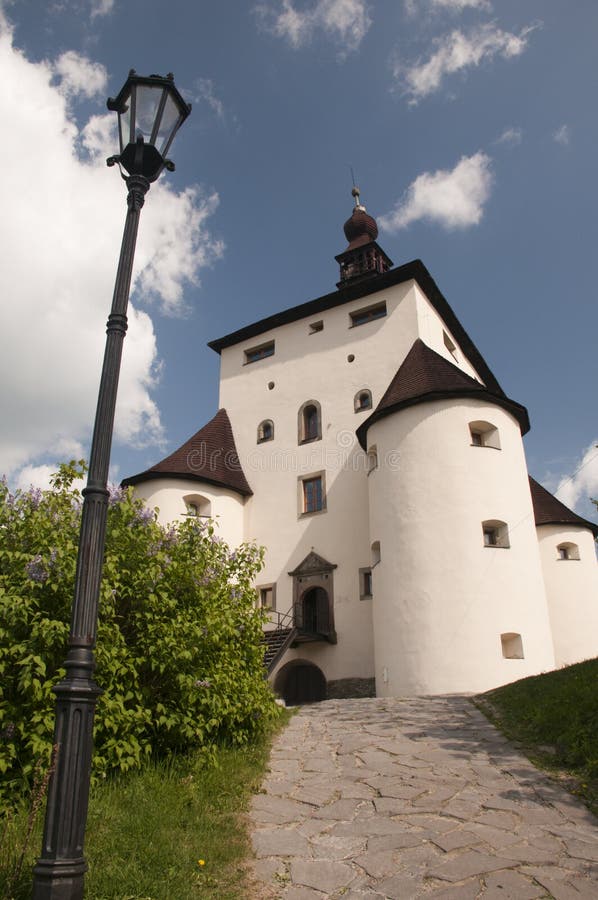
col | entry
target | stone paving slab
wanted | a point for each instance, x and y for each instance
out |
(414, 797)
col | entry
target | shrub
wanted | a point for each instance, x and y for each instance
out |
(178, 654)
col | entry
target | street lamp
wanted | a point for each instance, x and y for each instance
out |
(150, 111)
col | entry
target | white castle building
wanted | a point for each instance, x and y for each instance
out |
(362, 440)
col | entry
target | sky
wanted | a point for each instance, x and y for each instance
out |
(471, 129)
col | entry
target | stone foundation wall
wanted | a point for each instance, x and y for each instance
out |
(345, 688)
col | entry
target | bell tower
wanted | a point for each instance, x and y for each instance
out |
(363, 258)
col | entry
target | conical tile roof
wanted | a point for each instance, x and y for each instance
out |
(209, 456)
(550, 511)
(425, 375)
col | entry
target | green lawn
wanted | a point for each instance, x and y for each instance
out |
(147, 832)
(555, 718)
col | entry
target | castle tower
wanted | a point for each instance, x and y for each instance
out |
(459, 602)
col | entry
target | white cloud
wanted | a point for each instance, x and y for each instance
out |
(511, 137)
(345, 21)
(562, 135)
(205, 91)
(577, 488)
(452, 198)
(412, 7)
(79, 75)
(101, 8)
(457, 51)
(60, 252)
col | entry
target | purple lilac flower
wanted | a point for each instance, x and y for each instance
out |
(36, 571)
(116, 494)
(35, 496)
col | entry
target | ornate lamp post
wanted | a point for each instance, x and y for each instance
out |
(150, 111)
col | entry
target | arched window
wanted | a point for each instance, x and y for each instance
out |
(567, 550)
(310, 422)
(362, 400)
(197, 505)
(496, 533)
(265, 431)
(484, 434)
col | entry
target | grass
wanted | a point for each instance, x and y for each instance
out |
(147, 832)
(555, 719)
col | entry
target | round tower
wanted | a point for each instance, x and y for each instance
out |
(568, 555)
(202, 478)
(459, 601)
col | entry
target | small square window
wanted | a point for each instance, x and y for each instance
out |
(267, 596)
(316, 326)
(496, 534)
(362, 316)
(261, 352)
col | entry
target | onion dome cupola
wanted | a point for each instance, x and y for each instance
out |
(363, 258)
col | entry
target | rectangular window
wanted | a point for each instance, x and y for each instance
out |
(365, 584)
(312, 495)
(267, 596)
(361, 316)
(316, 326)
(261, 352)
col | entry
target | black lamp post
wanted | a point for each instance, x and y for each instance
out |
(150, 111)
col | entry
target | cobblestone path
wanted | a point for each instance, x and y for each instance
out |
(419, 797)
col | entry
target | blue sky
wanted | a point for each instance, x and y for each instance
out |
(472, 131)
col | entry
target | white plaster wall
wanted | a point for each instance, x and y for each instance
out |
(166, 494)
(441, 599)
(572, 591)
(431, 330)
(305, 367)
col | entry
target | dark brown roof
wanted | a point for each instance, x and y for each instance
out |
(360, 228)
(550, 511)
(210, 456)
(425, 375)
(354, 291)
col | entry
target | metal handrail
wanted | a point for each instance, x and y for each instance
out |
(284, 620)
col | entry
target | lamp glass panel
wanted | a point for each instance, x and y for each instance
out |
(148, 98)
(168, 125)
(124, 124)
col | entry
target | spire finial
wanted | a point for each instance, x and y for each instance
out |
(355, 192)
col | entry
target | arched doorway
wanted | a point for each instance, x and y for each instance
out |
(315, 611)
(300, 682)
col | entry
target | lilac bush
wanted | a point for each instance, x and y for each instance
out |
(179, 655)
